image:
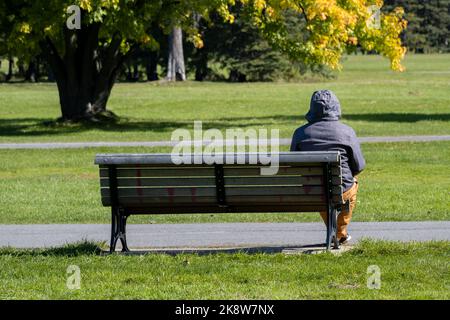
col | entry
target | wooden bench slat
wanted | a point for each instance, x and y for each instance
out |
(232, 200)
(184, 209)
(229, 181)
(211, 191)
(206, 166)
(172, 172)
(256, 200)
(166, 159)
(209, 172)
(162, 182)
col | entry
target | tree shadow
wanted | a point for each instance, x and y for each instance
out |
(397, 117)
(372, 117)
(69, 250)
(305, 249)
(34, 127)
(98, 249)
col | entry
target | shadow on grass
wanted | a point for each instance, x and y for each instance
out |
(96, 249)
(69, 250)
(32, 127)
(365, 247)
(398, 117)
(309, 249)
(28, 127)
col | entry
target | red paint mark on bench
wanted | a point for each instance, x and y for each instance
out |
(308, 189)
(171, 193)
(139, 191)
(194, 195)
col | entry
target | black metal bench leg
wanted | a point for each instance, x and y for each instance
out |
(118, 230)
(329, 231)
(114, 229)
(332, 229)
(334, 224)
(123, 233)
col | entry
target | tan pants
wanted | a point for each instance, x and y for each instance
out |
(345, 217)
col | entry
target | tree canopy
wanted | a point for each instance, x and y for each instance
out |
(85, 62)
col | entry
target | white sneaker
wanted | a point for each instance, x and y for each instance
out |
(345, 240)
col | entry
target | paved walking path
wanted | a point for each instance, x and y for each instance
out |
(153, 144)
(218, 235)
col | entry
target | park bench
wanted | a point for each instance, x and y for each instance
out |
(133, 184)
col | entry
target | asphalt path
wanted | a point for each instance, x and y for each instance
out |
(218, 235)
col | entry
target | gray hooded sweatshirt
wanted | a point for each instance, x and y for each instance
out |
(324, 132)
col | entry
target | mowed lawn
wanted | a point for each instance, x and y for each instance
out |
(407, 271)
(402, 182)
(376, 102)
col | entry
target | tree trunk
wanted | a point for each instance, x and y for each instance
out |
(152, 66)
(21, 68)
(86, 73)
(10, 69)
(175, 69)
(200, 56)
(31, 73)
(201, 65)
(236, 76)
(133, 72)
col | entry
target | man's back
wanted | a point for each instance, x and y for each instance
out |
(324, 132)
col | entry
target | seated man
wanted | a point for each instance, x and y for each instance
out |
(324, 132)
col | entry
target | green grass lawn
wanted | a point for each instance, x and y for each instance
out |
(376, 102)
(402, 182)
(408, 271)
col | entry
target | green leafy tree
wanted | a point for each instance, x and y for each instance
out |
(240, 49)
(8, 11)
(86, 62)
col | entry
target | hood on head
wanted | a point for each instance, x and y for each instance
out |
(324, 106)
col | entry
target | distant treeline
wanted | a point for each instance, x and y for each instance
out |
(239, 53)
(428, 24)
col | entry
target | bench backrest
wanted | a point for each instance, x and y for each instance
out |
(151, 183)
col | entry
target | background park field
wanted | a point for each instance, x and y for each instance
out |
(406, 181)
(61, 186)
(376, 102)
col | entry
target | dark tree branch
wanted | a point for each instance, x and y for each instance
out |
(304, 13)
